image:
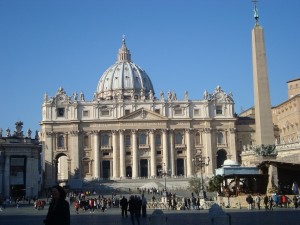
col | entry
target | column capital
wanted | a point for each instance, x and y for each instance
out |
(74, 132)
(114, 132)
(151, 131)
(49, 133)
(232, 130)
(207, 129)
(95, 132)
(189, 130)
(134, 131)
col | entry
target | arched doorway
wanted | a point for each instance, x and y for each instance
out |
(62, 169)
(158, 168)
(128, 171)
(221, 157)
(144, 167)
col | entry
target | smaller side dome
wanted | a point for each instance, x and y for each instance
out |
(230, 163)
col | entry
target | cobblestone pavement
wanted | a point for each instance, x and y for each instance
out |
(26, 215)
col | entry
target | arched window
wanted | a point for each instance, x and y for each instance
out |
(105, 140)
(221, 157)
(158, 140)
(220, 138)
(178, 138)
(142, 139)
(60, 141)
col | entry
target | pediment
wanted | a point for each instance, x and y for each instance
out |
(143, 114)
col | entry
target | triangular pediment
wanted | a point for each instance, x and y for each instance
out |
(143, 114)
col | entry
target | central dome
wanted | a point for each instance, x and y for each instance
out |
(124, 79)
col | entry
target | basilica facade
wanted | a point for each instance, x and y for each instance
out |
(127, 131)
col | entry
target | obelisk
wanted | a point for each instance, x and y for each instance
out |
(263, 114)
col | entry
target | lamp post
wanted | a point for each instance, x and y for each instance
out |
(201, 162)
(165, 172)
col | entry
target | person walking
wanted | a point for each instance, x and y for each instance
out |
(266, 202)
(271, 202)
(257, 201)
(138, 208)
(59, 209)
(132, 206)
(76, 206)
(124, 206)
(295, 201)
(144, 206)
(249, 201)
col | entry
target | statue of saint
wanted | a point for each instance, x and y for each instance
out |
(45, 97)
(162, 96)
(81, 96)
(29, 133)
(75, 96)
(205, 95)
(150, 94)
(186, 95)
(7, 132)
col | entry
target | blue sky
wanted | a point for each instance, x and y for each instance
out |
(190, 45)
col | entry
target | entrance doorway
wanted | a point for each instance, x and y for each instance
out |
(144, 167)
(106, 169)
(221, 157)
(180, 167)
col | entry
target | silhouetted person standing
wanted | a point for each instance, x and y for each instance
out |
(124, 206)
(59, 209)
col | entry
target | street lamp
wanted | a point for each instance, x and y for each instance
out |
(165, 172)
(201, 162)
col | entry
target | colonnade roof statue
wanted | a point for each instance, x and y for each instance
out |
(124, 79)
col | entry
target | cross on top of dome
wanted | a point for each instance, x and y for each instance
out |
(124, 53)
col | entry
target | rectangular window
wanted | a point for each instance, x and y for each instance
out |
(196, 112)
(127, 140)
(86, 113)
(179, 152)
(178, 111)
(60, 112)
(127, 111)
(219, 110)
(104, 112)
(157, 111)
(86, 168)
(105, 153)
(128, 153)
(158, 152)
(86, 142)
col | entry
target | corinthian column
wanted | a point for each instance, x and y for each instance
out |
(134, 155)
(172, 153)
(209, 153)
(75, 165)
(233, 144)
(115, 154)
(96, 155)
(165, 149)
(153, 155)
(122, 155)
(188, 153)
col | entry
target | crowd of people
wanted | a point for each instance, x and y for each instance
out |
(271, 201)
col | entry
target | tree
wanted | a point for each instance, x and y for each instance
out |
(214, 184)
(194, 185)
